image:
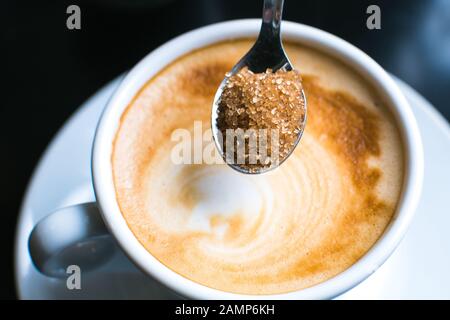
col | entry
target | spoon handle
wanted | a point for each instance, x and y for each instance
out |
(267, 52)
(272, 12)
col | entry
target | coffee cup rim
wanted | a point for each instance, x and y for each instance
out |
(156, 60)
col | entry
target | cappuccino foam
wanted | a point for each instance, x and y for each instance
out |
(285, 230)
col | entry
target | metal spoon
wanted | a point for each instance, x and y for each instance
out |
(266, 53)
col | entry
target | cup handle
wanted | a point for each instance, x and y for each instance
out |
(74, 235)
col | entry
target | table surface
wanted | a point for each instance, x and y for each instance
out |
(50, 70)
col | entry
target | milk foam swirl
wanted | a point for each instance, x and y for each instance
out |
(285, 230)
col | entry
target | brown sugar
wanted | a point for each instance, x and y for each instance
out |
(272, 106)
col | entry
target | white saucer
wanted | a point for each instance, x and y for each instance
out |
(419, 268)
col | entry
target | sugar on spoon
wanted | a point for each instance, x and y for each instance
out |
(266, 57)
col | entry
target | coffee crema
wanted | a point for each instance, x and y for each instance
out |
(285, 230)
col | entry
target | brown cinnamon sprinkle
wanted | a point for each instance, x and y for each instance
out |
(270, 101)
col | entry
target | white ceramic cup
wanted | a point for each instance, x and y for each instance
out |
(51, 238)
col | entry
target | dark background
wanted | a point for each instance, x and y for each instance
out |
(48, 71)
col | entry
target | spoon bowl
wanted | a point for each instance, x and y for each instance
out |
(266, 53)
